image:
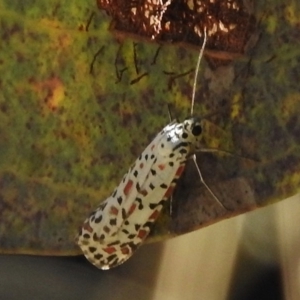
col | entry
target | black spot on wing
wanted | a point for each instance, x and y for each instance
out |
(103, 205)
(111, 257)
(153, 205)
(98, 256)
(181, 145)
(113, 243)
(148, 224)
(98, 219)
(137, 186)
(139, 200)
(132, 246)
(119, 199)
(183, 151)
(96, 238)
(92, 249)
(174, 181)
(113, 222)
(125, 231)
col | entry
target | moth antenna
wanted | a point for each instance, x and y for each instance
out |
(204, 183)
(197, 71)
(170, 113)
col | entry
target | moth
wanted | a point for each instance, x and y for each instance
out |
(120, 224)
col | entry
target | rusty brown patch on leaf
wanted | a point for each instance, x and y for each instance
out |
(228, 23)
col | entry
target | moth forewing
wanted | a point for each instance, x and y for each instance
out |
(121, 223)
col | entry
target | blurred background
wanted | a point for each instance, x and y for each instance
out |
(252, 256)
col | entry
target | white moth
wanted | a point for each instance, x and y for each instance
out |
(112, 233)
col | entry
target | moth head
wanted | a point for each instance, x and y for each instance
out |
(193, 127)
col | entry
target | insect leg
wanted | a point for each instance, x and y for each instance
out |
(204, 183)
(211, 150)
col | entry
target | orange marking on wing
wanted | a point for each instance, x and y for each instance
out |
(110, 250)
(142, 233)
(131, 209)
(161, 166)
(113, 211)
(86, 226)
(169, 191)
(179, 171)
(128, 187)
(154, 215)
(125, 250)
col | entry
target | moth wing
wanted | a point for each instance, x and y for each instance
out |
(102, 226)
(132, 186)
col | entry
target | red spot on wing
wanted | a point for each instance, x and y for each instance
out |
(154, 215)
(161, 166)
(142, 233)
(110, 250)
(152, 147)
(131, 209)
(169, 191)
(179, 171)
(125, 250)
(128, 187)
(141, 165)
(86, 226)
(113, 211)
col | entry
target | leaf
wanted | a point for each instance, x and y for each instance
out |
(77, 106)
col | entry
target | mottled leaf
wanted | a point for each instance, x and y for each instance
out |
(77, 106)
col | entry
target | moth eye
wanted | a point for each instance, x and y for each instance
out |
(196, 130)
(184, 135)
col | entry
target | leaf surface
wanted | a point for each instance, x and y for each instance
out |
(77, 106)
